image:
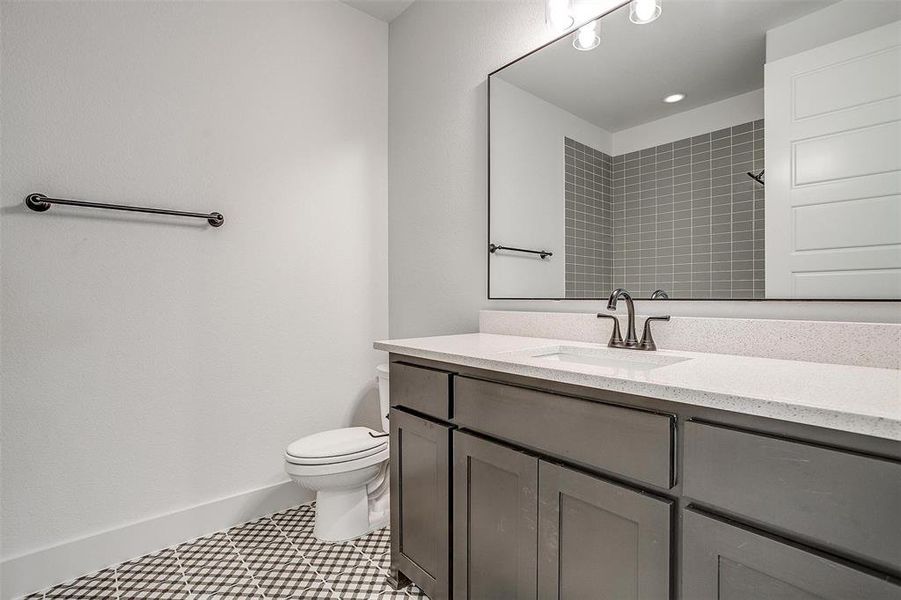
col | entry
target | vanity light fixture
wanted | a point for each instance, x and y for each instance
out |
(673, 98)
(642, 12)
(587, 38)
(558, 14)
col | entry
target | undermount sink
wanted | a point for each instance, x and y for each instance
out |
(633, 360)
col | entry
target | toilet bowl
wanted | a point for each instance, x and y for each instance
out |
(348, 470)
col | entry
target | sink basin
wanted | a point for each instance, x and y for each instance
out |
(614, 358)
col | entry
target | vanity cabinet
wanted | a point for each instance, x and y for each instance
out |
(597, 539)
(505, 487)
(495, 520)
(420, 502)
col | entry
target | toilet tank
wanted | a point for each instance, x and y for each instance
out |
(384, 403)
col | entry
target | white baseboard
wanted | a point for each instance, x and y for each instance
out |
(37, 570)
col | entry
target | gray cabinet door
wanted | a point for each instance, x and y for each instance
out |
(495, 513)
(600, 540)
(725, 562)
(420, 502)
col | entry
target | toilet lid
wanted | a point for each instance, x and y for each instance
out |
(336, 445)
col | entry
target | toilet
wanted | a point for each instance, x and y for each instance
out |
(348, 470)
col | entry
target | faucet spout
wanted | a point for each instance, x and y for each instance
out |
(631, 339)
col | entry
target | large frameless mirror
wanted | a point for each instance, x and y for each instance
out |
(714, 149)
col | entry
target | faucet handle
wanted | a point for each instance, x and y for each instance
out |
(616, 339)
(647, 340)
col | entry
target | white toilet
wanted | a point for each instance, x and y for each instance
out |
(348, 470)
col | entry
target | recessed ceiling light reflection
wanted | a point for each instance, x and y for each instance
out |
(587, 38)
(642, 12)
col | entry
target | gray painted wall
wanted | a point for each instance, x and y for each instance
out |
(440, 56)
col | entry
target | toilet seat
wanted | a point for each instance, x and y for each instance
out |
(334, 468)
(336, 446)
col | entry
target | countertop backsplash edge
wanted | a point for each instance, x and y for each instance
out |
(831, 342)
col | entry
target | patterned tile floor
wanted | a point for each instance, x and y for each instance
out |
(271, 558)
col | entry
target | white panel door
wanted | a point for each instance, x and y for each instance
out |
(833, 169)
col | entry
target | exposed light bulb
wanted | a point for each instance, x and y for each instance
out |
(558, 14)
(587, 38)
(644, 9)
(642, 12)
(672, 98)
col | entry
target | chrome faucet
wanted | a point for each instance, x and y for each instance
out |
(631, 342)
(659, 295)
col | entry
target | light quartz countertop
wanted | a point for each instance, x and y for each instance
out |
(862, 400)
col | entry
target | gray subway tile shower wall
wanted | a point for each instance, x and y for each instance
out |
(589, 220)
(682, 216)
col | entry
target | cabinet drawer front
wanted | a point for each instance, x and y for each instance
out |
(421, 389)
(723, 562)
(845, 501)
(597, 539)
(632, 443)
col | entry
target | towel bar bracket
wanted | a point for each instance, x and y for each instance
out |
(36, 202)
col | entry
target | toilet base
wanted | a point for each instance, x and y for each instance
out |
(343, 515)
(348, 513)
(340, 518)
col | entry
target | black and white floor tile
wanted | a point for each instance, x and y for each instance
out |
(273, 558)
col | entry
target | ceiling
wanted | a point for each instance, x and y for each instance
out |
(707, 49)
(383, 10)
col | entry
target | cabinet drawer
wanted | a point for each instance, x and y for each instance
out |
(421, 389)
(724, 562)
(632, 443)
(841, 500)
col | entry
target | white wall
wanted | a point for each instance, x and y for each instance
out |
(710, 117)
(829, 24)
(152, 364)
(440, 56)
(528, 208)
